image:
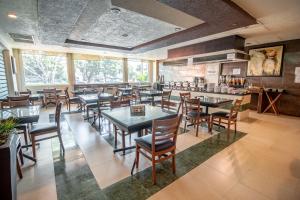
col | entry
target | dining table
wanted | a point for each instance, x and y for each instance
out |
(151, 94)
(32, 98)
(129, 123)
(23, 115)
(93, 98)
(213, 102)
(42, 91)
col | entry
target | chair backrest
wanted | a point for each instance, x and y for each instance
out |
(50, 93)
(119, 103)
(165, 130)
(166, 95)
(66, 91)
(17, 101)
(27, 92)
(183, 97)
(192, 105)
(235, 109)
(58, 113)
(169, 105)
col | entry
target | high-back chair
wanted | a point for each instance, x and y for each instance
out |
(46, 128)
(17, 101)
(50, 96)
(170, 105)
(27, 92)
(227, 118)
(193, 113)
(160, 145)
(183, 97)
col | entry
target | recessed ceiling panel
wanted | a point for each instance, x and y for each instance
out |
(125, 28)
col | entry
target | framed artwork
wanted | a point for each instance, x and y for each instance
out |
(265, 61)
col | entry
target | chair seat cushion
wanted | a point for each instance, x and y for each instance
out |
(146, 142)
(92, 105)
(43, 127)
(194, 114)
(221, 114)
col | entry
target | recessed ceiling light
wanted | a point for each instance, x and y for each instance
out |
(125, 35)
(12, 15)
(177, 29)
(234, 24)
(115, 10)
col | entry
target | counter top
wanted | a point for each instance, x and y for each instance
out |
(214, 92)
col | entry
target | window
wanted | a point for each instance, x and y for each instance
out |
(99, 71)
(138, 71)
(42, 69)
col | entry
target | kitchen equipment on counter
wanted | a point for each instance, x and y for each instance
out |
(194, 86)
(186, 85)
(178, 85)
(172, 85)
(224, 89)
(210, 87)
(217, 89)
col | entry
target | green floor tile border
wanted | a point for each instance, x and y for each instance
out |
(139, 186)
(73, 177)
(75, 180)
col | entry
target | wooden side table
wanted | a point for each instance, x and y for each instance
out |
(272, 101)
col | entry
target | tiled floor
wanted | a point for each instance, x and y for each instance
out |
(265, 164)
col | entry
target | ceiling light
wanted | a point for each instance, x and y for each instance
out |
(125, 35)
(12, 15)
(115, 10)
(177, 29)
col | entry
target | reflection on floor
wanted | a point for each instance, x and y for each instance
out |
(264, 164)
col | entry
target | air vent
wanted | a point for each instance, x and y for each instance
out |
(22, 38)
(181, 62)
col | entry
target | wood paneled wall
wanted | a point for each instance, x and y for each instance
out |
(289, 103)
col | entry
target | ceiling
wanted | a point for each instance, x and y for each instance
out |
(145, 28)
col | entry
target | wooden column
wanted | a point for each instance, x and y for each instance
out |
(150, 71)
(71, 70)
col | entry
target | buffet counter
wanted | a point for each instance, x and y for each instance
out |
(244, 111)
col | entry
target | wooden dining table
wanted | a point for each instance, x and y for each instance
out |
(151, 94)
(23, 115)
(127, 123)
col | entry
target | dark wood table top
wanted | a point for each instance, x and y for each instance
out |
(151, 93)
(124, 120)
(213, 101)
(93, 98)
(24, 114)
(42, 91)
(32, 97)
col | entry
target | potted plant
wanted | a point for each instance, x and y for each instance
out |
(6, 128)
(8, 156)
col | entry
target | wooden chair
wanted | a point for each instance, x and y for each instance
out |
(70, 100)
(46, 128)
(166, 95)
(140, 99)
(27, 92)
(118, 104)
(164, 135)
(170, 105)
(193, 113)
(50, 96)
(227, 118)
(19, 101)
(183, 97)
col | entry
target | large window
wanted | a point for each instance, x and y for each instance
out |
(99, 71)
(42, 69)
(138, 71)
